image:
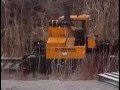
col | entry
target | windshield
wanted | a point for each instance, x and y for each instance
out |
(78, 24)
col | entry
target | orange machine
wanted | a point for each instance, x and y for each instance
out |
(68, 40)
(68, 37)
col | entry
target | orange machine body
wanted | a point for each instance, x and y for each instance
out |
(59, 46)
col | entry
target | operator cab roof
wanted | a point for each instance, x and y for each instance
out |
(75, 17)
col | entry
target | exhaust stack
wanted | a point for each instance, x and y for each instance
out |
(66, 13)
(67, 21)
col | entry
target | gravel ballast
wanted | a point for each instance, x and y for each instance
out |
(55, 85)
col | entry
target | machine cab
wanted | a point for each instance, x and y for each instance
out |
(79, 25)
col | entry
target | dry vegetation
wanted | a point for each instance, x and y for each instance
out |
(24, 21)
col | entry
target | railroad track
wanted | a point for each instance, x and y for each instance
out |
(26, 64)
(111, 78)
(10, 63)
